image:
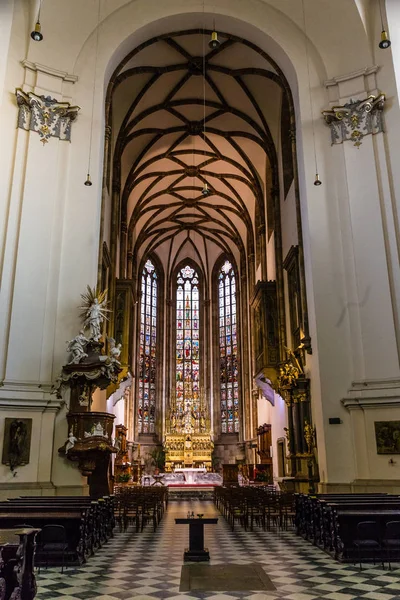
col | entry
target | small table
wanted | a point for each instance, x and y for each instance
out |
(196, 551)
(158, 480)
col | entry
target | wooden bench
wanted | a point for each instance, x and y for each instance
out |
(330, 520)
(17, 578)
(88, 523)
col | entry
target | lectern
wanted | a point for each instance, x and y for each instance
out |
(196, 551)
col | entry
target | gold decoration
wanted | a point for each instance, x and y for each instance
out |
(188, 450)
(309, 435)
(288, 375)
(356, 119)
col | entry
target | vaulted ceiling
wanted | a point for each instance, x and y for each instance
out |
(183, 116)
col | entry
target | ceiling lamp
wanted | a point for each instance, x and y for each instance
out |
(214, 41)
(385, 41)
(317, 181)
(88, 181)
(36, 34)
(206, 190)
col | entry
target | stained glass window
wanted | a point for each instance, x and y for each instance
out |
(148, 350)
(187, 347)
(228, 349)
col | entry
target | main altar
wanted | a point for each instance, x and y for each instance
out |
(188, 443)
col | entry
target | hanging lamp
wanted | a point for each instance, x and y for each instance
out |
(36, 34)
(206, 190)
(385, 41)
(88, 181)
(214, 41)
(317, 180)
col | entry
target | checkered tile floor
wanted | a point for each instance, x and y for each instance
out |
(147, 566)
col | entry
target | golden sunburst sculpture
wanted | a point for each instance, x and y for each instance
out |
(94, 311)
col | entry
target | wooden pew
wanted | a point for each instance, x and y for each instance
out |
(88, 523)
(17, 578)
(330, 520)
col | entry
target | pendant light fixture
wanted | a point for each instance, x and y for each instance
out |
(214, 41)
(88, 181)
(385, 41)
(36, 34)
(206, 190)
(317, 181)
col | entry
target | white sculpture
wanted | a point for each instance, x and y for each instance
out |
(115, 351)
(71, 442)
(94, 311)
(94, 320)
(77, 348)
(98, 430)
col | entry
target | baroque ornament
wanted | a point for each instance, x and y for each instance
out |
(45, 115)
(356, 119)
(88, 367)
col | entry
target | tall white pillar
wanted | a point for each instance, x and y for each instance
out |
(371, 306)
(30, 289)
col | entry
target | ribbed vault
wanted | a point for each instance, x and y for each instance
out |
(184, 116)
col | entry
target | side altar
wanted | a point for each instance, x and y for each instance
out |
(188, 441)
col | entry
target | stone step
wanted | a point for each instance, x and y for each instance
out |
(178, 494)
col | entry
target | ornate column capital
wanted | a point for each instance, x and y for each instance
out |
(355, 119)
(45, 115)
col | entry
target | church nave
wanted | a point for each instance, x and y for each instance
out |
(147, 565)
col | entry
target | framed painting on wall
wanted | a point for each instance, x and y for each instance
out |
(387, 435)
(17, 442)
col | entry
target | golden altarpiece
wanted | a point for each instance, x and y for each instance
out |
(188, 440)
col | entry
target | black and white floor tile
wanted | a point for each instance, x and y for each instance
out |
(147, 566)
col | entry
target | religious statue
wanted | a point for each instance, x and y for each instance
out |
(202, 423)
(71, 442)
(309, 437)
(115, 351)
(94, 311)
(98, 430)
(287, 433)
(84, 397)
(77, 348)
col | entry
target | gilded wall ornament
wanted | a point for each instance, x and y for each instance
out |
(45, 115)
(309, 436)
(356, 119)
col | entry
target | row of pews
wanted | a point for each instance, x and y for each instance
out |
(263, 506)
(330, 521)
(88, 523)
(139, 506)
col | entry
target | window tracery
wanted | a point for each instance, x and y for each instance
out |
(188, 347)
(228, 349)
(148, 350)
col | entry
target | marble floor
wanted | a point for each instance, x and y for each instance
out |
(147, 566)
